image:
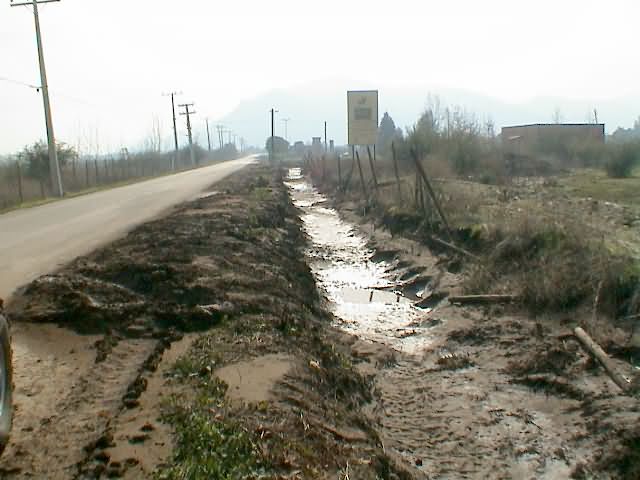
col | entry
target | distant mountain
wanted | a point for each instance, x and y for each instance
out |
(308, 107)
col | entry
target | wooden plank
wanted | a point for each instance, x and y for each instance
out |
(482, 299)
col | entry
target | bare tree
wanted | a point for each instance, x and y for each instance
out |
(153, 142)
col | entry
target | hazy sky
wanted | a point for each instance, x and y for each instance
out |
(109, 61)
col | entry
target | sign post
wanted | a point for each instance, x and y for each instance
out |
(362, 106)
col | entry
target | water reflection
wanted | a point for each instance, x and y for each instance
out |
(341, 261)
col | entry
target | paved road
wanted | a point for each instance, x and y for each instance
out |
(38, 240)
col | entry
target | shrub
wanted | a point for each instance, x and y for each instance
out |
(622, 159)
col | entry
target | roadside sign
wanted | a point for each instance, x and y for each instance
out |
(362, 107)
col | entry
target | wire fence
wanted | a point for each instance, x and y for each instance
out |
(85, 173)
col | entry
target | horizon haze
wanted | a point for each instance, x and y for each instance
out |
(109, 64)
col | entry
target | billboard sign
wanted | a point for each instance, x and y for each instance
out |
(363, 117)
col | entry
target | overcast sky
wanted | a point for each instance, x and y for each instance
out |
(109, 61)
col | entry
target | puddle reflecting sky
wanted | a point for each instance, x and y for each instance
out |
(340, 260)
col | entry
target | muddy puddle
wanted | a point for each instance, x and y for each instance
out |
(362, 290)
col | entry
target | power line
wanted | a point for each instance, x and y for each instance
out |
(18, 82)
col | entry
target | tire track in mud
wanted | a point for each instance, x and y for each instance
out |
(59, 443)
(474, 423)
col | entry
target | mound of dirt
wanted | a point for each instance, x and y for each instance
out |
(187, 271)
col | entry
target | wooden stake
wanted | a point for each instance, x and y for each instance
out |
(432, 194)
(396, 171)
(373, 168)
(20, 192)
(364, 186)
(347, 180)
(594, 349)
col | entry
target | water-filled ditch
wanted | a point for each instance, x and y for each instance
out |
(363, 290)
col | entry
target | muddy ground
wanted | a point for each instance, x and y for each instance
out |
(499, 392)
(195, 347)
(200, 347)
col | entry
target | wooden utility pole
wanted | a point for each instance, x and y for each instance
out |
(208, 135)
(188, 114)
(54, 166)
(220, 129)
(174, 160)
(272, 152)
(325, 137)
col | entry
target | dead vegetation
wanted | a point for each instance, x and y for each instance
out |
(562, 258)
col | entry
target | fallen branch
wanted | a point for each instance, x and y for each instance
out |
(482, 299)
(455, 249)
(596, 351)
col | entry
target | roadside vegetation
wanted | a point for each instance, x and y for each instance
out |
(544, 229)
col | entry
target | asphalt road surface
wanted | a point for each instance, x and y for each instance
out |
(36, 241)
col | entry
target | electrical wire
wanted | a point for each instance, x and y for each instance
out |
(18, 82)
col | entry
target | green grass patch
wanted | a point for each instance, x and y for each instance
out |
(208, 448)
(596, 184)
(209, 445)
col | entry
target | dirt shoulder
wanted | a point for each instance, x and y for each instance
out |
(195, 347)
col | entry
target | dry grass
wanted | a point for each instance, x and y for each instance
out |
(535, 246)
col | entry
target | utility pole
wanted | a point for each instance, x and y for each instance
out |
(325, 137)
(54, 166)
(272, 152)
(208, 135)
(188, 114)
(286, 131)
(220, 128)
(174, 161)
